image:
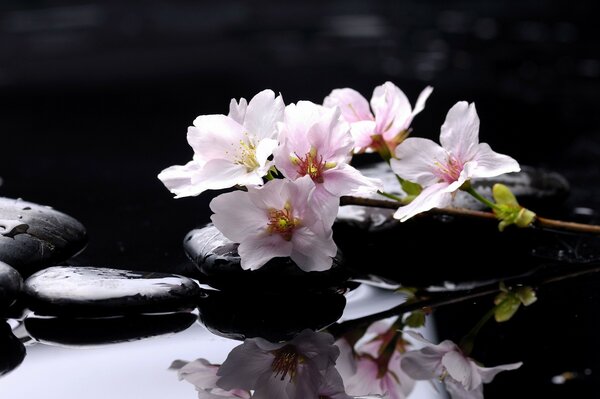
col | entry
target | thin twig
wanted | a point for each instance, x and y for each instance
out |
(469, 213)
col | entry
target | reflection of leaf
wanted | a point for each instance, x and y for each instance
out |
(506, 307)
(416, 319)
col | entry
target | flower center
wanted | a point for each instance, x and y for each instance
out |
(286, 362)
(282, 221)
(312, 164)
(247, 155)
(450, 171)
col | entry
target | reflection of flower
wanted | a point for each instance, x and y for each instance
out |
(463, 377)
(276, 220)
(393, 113)
(229, 150)
(203, 376)
(373, 367)
(298, 369)
(442, 170)
(315, 143)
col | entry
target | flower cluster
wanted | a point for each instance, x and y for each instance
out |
(293, 165)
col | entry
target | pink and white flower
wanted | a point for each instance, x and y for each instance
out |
(303, 368)
(463, 377)
(203, 375)
(229, 150)
(277, 220)
(442, 170)
(372, 367)
(392, 111)
(316, 143)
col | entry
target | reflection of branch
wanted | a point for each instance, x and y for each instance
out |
(437, 299)
(539, 221)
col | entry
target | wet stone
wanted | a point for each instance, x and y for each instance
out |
(12, 351)
(274, 317)
(34, 236)
(10, 285)
(219, 263)
(93, 291)
(78, 332)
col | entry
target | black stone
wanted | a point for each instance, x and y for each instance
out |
(219, 262)
(94, 291)
(275, 317)
(10, 285)
(34, 236)
(12, 351)
(66, 331)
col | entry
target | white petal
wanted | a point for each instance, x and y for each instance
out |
(178, 179)
(221, 173)
(391, 108)
(460, 132)
(322, 209)
(417, 159)
(270, 386)
(331, 137)
(264, 150)
(312, 252)
(421, 100)
(491, 164)
(458, 391)
(332, 386)
(488, 373)
(244, 366)
(263, 113)
(215, 137)
(255, 251)
(431, 197)
(200, 373)
(424, 364)
(236, 216)
(461, 369)
(353, 105)
(237, 112)
(272, 195)
(346, 180)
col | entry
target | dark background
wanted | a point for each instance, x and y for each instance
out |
(95, 100)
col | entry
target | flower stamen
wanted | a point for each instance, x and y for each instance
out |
(449, 171)
(247, 155)
(282, 221)
(312, 164)
(286, 362)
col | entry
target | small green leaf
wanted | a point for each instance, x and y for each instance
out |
(411, 188)
(503, 195)
(526, 295)
(506, 308)
(508, 210)
(415, 319)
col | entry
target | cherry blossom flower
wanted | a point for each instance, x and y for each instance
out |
(442, 170)
(276, 220)
(316, 143)
(297, 369)
(463, 377)
(229, 150)
(372, 367)
(203, 375)
(392, 111)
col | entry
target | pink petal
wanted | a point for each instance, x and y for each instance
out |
(488, 373)
(178, 179)
(215, 137)
(362, 132)
(424, 364)
(434, 196)
(391, 109)
(200, 373)
(244, 366)
(460, 131)
(236, 216)
(331, 137)
(255, 251)
(353, 105)
(458, 391)
(264, 150)
(312, 252)
(417, 160)
(346, 180)
(421, 100)
(263, 112)
(325, 207)
(491, 164)
(221, 173)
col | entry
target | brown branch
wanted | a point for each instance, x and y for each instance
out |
(469, 213)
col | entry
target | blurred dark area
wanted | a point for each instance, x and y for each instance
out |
(96, 97)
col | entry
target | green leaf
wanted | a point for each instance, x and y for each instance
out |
(508, 210)
(503, 195)
(415, 319)
(410, 188)
(507, 307)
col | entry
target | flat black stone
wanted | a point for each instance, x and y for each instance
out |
(65, 331)
(94, 291)
(219, 262)
(12, 351)
(34, 236)
(10, 285)
(276, 317)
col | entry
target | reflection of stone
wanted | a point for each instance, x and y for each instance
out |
(10, 285)
(218, 260)
(89, 291)
(536, 188)
(276, 317)
(33, 236)
(98, 331)
(12, 351)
